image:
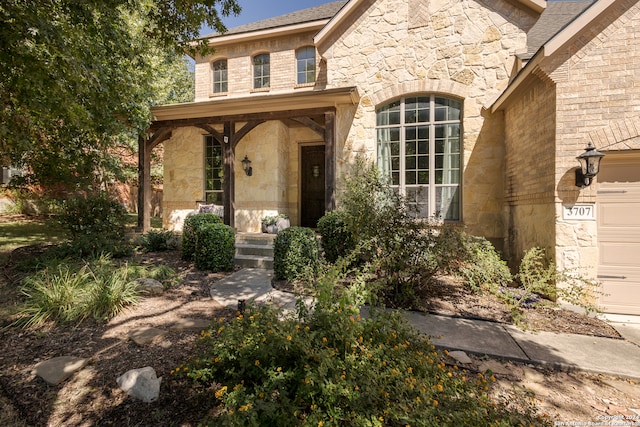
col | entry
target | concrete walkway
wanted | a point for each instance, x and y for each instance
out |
(619, 357)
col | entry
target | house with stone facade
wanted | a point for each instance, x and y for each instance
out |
(476, 110)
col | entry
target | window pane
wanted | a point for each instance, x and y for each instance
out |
(389, 114)
(447, 109)
(410, 178)
(416, 110)
(220, 76)
(448, 202)
(306, 65)
(261, 71)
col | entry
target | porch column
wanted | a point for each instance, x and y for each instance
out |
(330, 160)
(229, 174)
(144, 184)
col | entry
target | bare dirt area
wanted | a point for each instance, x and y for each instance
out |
(91, 396)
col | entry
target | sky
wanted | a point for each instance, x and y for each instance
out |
(257, 10)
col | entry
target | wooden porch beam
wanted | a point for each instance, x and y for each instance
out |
(308, 122)
(330, 160)
(213, 132)
(229, 174)
(221, 119)
(248, 127)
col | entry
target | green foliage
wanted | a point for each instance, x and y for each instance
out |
(328, 366)
(295, 253)
(158, 240)
(69, 292)
(482, 266)
(337, 240)
(95, 214)
(398, 247)
(190, 229)
(215, 247)
(79, 77)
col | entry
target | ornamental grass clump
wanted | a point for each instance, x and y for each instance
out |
(330, 366)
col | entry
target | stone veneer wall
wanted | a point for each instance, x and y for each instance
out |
(597, 90)
(239, 64)
(462, 49)
(183, 175)
(530, 144)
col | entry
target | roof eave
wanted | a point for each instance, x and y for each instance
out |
(553, 45)
(257, 103)
(263, 34)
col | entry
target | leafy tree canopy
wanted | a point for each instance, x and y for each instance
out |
(78, 77)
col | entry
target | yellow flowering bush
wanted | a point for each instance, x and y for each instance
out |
(329, 366)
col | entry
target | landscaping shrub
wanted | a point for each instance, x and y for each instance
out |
(295, 253)
(65, 291)
(158, 240)
(95, 214)
(215, 247)
(96, 225)
(388, 237)
(481, 265)
(337, 240)
(329, 367)
(191, 225)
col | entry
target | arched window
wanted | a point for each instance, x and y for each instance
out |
(261, 71)
(419, 151)
(220, 80)
(306, 65)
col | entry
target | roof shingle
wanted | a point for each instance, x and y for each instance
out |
(324, 11)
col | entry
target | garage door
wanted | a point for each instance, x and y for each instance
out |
(619, 232)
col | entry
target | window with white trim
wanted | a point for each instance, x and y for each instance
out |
(219, 76)
(419, 152)
(306, 65)
(261, 71)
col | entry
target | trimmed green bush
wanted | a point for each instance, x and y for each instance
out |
(95, 214)
(189, 230)
(337, 240)
(295, 253)
(215, 247)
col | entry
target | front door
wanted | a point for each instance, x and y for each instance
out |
(312, 185)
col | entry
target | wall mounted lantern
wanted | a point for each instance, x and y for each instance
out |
(589, 166)
(315, 171)
(246, 166)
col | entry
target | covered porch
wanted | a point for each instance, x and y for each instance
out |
(282, 134)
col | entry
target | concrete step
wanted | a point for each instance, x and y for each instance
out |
(254, 261)
(247, 249)
(254, 250)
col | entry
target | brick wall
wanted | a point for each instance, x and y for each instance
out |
(239, 63)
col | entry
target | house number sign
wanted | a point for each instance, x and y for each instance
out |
(579, 212)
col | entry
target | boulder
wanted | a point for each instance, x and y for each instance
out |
(149, 286)
(58, 369)
(142, 384)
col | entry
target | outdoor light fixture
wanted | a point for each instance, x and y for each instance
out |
(246, 165)
(315, 171)
(589, 166)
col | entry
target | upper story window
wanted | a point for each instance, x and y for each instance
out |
(261, 71)
(419, 149)
(220, 80)
(306, 65)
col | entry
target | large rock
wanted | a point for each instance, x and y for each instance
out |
(149, 286)
(145, 335)
(58, 369)
(141, 383)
